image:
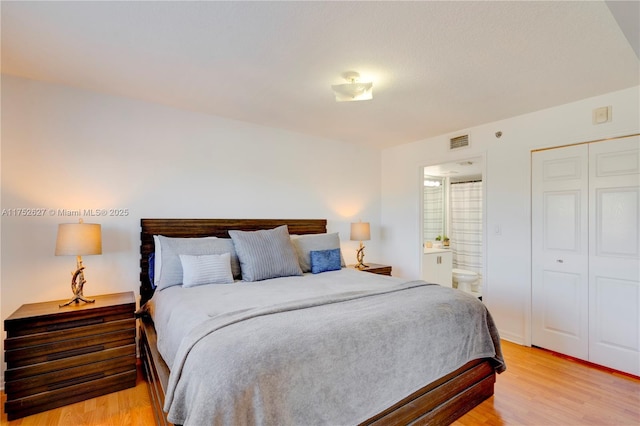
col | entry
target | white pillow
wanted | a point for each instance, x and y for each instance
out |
(206, 269)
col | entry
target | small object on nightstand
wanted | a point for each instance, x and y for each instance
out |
(57, 356)
(375, 268)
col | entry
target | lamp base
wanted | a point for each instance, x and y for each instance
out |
(76, 299)
(360, 257)
(77, 284)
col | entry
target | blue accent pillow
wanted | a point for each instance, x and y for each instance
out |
(152, 265)
(325, 260)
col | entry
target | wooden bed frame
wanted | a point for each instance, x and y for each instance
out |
(437, 403)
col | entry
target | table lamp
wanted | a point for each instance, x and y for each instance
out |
(360, 231)
(78, 239)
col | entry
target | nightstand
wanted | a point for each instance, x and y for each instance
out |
(58, 356)
(375, 268)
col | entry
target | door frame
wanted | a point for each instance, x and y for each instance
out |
(469, 156)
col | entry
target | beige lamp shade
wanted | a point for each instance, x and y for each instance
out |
(78, 239)
(360, 231)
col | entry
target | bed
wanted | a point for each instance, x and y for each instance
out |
(372, 379)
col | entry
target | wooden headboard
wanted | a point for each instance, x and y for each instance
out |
(209, 228)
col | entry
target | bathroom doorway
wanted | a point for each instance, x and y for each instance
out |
(453, 222)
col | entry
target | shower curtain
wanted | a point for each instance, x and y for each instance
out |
(466, 225)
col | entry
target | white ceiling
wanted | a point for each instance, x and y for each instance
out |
(437, 67)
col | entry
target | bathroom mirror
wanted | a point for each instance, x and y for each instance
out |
(434, 212)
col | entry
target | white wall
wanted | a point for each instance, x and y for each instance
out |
(64, 148)
(507, 284)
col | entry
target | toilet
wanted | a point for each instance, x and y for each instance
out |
(465, 280)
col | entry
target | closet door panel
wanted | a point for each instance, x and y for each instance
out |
(560, 246)
(617, 222)
(561, 220)
(614, 254)
(616, 310)
(561, 311)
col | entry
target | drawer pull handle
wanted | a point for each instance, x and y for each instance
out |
(80, 351)
(560, 261)
(76, 380)
(73, 324)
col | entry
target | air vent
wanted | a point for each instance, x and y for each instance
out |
(459, 142)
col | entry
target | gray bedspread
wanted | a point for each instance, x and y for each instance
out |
(336, 356)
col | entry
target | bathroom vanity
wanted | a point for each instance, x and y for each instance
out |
(436, 266)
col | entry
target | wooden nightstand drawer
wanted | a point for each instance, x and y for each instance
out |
(67, 363)
(99, 329)
(58, 379)
(68, 348)
(66, 320)
(56, 356)
(37, 403)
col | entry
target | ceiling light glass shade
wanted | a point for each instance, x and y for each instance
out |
(353, 91)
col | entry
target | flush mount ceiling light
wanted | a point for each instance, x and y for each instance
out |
(353, 90)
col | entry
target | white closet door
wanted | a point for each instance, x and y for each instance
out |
(614, 254)
(560, 292)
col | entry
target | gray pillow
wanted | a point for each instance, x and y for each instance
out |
(265, 254)
(305, 244)
(168, 250)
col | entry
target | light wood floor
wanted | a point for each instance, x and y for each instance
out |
(539, 388)
(543, 388)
